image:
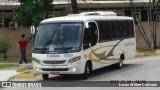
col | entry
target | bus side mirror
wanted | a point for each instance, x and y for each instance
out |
(87, 25)
(90, 45)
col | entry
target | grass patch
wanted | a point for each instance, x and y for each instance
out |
(13, 60)
(2, 66)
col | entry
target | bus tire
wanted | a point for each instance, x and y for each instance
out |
(119, 65)
(88, 70)
(45, 76)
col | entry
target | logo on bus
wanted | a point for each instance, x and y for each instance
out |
(53, 56)
(68, 55)
(51, 47)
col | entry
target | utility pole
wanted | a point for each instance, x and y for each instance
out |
(158, 30)
(156, 20)
(150, 20)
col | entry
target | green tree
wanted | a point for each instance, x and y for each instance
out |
(32, 12)
(4, 46)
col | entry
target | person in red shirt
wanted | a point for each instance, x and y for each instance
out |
(22, 45)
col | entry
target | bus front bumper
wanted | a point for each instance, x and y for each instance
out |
(68, 69)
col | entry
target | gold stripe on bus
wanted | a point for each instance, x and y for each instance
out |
(102, 56)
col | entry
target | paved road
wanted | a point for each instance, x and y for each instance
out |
(140, 68)
(144, 68)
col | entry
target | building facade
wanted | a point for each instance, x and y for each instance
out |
(8, 8)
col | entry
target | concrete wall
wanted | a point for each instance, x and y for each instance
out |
(140, 41)
(14, 35)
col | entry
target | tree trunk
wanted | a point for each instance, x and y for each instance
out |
(47, 7)
(74, 6)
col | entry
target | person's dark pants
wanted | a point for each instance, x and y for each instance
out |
(23, 57)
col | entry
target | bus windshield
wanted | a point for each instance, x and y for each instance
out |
(58, 36)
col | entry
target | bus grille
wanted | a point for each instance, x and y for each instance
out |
(54, 62)
(56, 69)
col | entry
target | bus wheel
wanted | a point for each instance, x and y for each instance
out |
(45, 76)
(119, 65)
(87, 71)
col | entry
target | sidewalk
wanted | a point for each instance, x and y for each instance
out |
(8, 73)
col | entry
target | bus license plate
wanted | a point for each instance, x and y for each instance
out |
(54, 73)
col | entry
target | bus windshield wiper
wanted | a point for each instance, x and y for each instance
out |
(47, 42)
(61, 43)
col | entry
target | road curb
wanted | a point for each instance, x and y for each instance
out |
(155, 52)
(26, 74)
(140, 53)
(26, 71)
(12, 78)
(22, 69)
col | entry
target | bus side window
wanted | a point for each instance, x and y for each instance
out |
(131, 29)
(90, 35)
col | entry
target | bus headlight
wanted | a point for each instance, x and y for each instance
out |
(36, 60)
(74, 59)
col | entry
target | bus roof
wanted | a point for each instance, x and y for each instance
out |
(84, 18)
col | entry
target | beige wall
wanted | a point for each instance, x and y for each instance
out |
(140, 41)
(14, 35)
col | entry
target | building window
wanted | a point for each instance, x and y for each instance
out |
(101, 8)
(58, 9)
(84, 9)
(119, 12)
(1, 20)
(127, 13)
(104, 31)
(137, 16)
(93, 9)
(144, 15)
(158, 18)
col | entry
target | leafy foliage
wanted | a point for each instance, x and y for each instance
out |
(31, 12)
(4, 46)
